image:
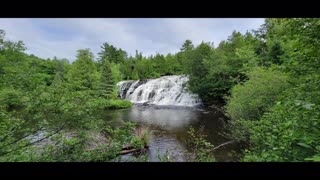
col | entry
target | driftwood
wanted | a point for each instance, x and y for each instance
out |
(223, 144)
(131, 149)
(127, 148)
(124, 152)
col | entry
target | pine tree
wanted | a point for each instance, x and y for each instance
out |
(59, 74)
(275, 53)
(107, 82)
(111, 53)
(187, 45)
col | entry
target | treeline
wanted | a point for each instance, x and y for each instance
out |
(141, 67)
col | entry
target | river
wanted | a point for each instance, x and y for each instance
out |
(169, 126)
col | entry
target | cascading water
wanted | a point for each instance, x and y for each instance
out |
(167, 90)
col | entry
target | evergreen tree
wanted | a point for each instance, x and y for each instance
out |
(275, 53)
(107, 81)
(83, 74)
(111, 54)
(187, 46)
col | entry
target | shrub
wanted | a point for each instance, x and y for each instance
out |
(252, 98)
(118, 104)
(290, 131)
(11, 98)
(143, 133)
(201, 150)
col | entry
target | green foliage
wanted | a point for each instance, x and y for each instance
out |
(142, 135)
(11, 98)
(116, 73)
(275, 53)
(290, 130)
(83, 74)
(140, 67)
(111, 54)
(164, 157)
(107, 80)
(214, 71)
(135, 75)
(252, 98)
(118, 104)
(55, 98)
(200, 148)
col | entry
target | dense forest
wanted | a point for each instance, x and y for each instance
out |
(266, 81)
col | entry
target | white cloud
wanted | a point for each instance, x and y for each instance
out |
(63, 37)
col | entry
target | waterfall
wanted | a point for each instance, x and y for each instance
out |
(167, 90)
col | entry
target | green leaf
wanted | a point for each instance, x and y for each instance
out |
(304, 145)
(314, 158)
(298, 102)
(308, 106)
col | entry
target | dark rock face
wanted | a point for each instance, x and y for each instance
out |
(124, 88)
(151, 95)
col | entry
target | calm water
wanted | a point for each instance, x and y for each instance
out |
(169, 127)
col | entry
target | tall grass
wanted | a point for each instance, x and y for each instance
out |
(144, 134)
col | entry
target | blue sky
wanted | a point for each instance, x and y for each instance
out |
(62, 37)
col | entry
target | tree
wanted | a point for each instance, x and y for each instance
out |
(107, 81)
(251, 99)
(111, 54)
(2, 35)
(184, 57)
(187, 46)
(83, 73)
(138, 55)
(275, 53)
(135, 75)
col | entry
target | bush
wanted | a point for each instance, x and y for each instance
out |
(251, 99)
(291, 130)
(143, 135)
(118, 104)
(201, 149)
(100, 103)
(11, 98)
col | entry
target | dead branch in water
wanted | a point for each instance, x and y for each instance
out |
(131, 149)
(224, 144)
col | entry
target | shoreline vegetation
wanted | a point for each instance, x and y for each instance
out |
(265, 81)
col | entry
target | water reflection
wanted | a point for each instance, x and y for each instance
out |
(168, 119)
(169, 127)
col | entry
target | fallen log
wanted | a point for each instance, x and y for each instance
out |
(127, 147)
(124, 152)
(223, 144)
(131, 149)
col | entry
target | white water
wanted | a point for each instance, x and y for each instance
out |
(167, 90)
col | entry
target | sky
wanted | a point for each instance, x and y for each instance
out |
(62, 37)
